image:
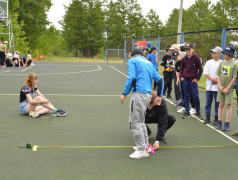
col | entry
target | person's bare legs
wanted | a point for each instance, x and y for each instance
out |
(43, 109)
(221, 110)
(228, 112)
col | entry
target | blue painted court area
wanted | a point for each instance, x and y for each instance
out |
(94, 141)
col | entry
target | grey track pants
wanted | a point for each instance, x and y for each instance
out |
(138, 105)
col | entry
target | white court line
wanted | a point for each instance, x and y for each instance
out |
(99, 69)
(228, 137)
(119, 71)
(26, 69)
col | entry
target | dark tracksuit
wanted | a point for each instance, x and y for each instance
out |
(159, 115)
(168, 76)
(191, 68)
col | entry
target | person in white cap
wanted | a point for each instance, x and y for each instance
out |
(211, 84)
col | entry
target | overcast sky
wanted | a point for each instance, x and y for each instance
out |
(162, 7)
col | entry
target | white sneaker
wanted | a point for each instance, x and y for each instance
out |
(192, 111)
(139, 155)
(182, 110)
(179, 107)
(148, 148)
(30, 113)
(35, 114)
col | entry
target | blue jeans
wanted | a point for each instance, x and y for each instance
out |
(187, 86)
(209, 99)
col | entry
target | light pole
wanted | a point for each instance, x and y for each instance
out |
(180, 22)
(107, 42)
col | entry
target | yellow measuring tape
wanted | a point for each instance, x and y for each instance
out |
(35, 147)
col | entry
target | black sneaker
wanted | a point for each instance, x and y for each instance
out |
(186, 115)
(199, 116)
(207, 120)
(168, 96)
(215, 121)
(59, 113)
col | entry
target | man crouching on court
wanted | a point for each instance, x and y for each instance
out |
(140, 75)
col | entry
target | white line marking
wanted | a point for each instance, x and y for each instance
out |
(4, 71)
(99, 69)
(119, 71)
(26, 69)
(228, 137)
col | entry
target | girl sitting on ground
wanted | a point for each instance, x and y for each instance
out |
(16, 59)
(28, 104)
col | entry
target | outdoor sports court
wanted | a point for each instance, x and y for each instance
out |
(93, 140)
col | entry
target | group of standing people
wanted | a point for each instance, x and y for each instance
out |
(182, 64)
(221, 77)
(9, 59)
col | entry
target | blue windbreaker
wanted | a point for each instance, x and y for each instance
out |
(140, 75)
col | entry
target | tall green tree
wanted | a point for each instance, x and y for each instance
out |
(125, 19)
(34, 15)
(153, 24)
(84, 27)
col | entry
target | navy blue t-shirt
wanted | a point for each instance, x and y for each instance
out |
(26, 90)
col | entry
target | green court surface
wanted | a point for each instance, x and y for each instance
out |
(90, 93)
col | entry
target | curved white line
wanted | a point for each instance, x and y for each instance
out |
(99, 69)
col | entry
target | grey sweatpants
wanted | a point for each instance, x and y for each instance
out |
(138, 105)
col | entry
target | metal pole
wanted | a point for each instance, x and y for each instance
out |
(223, 41)
(182, 38)
(125, 51)
(132, 44)
(180, 21)
(158, 50)
(107, 42)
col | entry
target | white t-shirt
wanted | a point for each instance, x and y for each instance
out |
(28, 56)
(9, 55)
(211, 68)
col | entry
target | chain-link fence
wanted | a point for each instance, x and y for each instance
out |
(203, 41)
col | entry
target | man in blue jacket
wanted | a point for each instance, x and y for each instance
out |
(140, 75)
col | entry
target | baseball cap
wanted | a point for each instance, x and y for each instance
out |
(189, 46)
(148, 45)
(5, 42)
(216, 50)
(229, 50)
(135, 44)
(174, 54)
(136, 51)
